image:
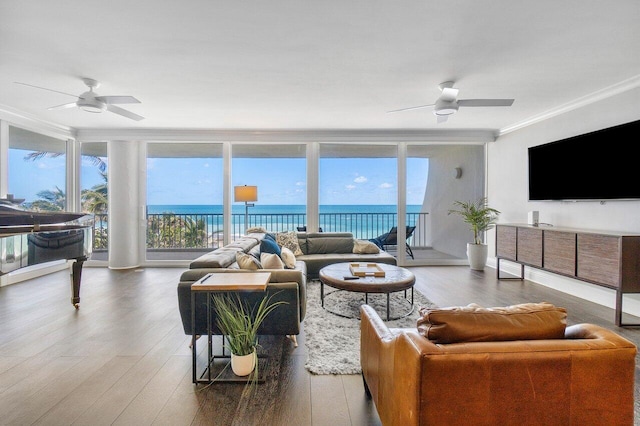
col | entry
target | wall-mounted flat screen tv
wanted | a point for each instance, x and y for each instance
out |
(601, 165)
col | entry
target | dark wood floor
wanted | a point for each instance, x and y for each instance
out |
(123, 357)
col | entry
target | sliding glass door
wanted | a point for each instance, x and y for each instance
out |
(436, 176)
(278, 173)
(94, 194)
(184, 200)
(358, 189)
(37, 170)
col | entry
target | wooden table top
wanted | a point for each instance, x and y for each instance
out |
(241, 281)
(395, 279)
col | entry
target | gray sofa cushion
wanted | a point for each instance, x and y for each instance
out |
(219, 258)
(326, 245)
(244, 243)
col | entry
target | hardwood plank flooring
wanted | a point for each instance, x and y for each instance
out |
(123, 357)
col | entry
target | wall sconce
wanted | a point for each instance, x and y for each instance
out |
(245, 194)
(457, 172)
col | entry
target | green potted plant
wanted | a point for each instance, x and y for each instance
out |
(240, 323)
(480, 218)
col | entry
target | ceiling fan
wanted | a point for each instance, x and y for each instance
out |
(448, 102)
(90, 101)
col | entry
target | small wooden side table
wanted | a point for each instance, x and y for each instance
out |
(213, 283)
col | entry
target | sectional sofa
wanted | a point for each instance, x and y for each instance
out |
(312, 252)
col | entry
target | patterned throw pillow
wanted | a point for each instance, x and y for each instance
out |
(246, 261)
(290, 241)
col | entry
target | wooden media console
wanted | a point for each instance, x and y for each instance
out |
(607, 259)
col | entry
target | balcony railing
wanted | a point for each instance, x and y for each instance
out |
(168, 231)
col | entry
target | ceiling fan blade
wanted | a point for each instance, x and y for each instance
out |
(410, 108)
(449, 94)
(485, 102)
(110, 100)
(44, 88)
(442, 118)
(63, 106)
(124, 112)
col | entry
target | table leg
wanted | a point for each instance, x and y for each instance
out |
(193, 337)
(209, 337)
(388, 298)
(321, 294)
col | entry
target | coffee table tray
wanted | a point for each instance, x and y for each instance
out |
(366, 270)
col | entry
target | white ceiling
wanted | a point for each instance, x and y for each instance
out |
(296, 64)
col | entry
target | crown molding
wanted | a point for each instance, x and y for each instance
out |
(607, 92)
(29, 122)
(289, 135)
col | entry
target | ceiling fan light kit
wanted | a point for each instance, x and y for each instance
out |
(443, 107)
(90, 104)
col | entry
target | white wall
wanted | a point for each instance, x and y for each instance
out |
(508, 182)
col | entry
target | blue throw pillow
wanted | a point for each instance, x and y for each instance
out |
(268, 245)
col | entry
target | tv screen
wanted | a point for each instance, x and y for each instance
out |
(602, 165)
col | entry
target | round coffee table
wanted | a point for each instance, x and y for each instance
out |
(395, 279)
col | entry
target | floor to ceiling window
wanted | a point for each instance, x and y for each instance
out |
(184, 200)
(94, 189)
(358, 189)
(37, 170)
(278, 171)
(438, 175)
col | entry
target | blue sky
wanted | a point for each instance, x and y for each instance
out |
(198, 180)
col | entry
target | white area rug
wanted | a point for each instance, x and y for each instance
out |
(333, 342)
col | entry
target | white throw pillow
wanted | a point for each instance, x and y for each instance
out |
(365, 247)
(288, 258)
(271, 261)
(246, 261)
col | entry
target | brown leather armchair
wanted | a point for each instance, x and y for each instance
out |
(587, 378)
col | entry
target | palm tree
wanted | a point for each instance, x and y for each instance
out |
(95, 200)
(195, 232)
(50, 200)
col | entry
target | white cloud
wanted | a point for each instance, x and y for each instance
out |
(385, 185)
(350, 187)
(360, 179)
(299, 183)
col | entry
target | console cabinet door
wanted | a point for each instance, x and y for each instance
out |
(506, 242)
(530, 246)
(560, 252)
(599, 258)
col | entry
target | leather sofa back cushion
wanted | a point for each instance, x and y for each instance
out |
(324, 245)
(473, 323)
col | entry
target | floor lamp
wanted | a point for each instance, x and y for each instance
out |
(245, 194)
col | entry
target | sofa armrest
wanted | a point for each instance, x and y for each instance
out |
(283, 320)
(377, 355)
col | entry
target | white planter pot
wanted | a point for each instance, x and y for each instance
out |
(243, 365)
(477, 255)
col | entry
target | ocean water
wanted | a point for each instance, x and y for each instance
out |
(276, 209)
(364, 221)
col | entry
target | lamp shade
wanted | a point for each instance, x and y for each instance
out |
(245, 193)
